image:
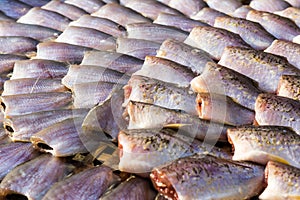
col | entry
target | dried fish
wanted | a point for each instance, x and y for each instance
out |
(13, 8)
(137, 47)
(251, 32)
(291, 13)
(184, 54)
(208, 177)
(187, 7)
(288, 86)
(269, 6)
(17, 45)
(35, 3)
(7, 61)
(242, 11)
(227, 6)
(46, 18)
(261, 144)
(3, 17)
(276, 110)
(294, 3)
(222, 80)
(283, 182)
(208, 15)
(100, 24)
(214, 40)
(89, 6)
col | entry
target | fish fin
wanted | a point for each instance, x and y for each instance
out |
(110, 159)
(278, 159)
(176, 125)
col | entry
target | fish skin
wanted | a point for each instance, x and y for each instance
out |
(178, 21)
(153, 91)
(148, 116)
(35, 3)
(17, 45)
(3, 17)
(214, 40)
(61, 139)
(184, 54)
(13, 8)
(209, 107)
(261, 144)
(136, 47)
(28, 103)
(112, 60)
(208, 177)
(89, 184)
(251, 32)
(287, 49)
(120, 14)
(100, 24)
(227, 6)
(154, 32)
(89, 6)
(269, 6)
(34, 178)
(291, 13)
(225, 81)
(141, 188)
(280, 27)
(166, 70)
(22, 127)
(283, 182)
(46, 18)
(288, 86)
(294, 3)
(62, 52)
(87, 37)
(70, 11)
(265, 68)
(36, 32)
(14, 154)
(187, 7)
(149, 148)
(7, 61)
(208, 15)
(39, 68)
(278, 111)
(242, 11)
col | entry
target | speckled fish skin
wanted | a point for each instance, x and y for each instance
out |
(227, 82)
(27, 30)
(288, 86)
(269, 6)
(89, 73)
(62, 52)
(14, 154)
(120, 14)
(287, 49)
(112, 60)
(46, 18)
(178, 21)
(280, 27)
(39, 68)
(136, 47)
(89, 184)
(132, 188)
(265, 68)
(208, 177)
(153, 91)
(242, 11)
(208, 15)
(155, 32)
(72, 12)
(34, 178)
(101, 24)
(148, 116)
(283, 182)
(143, 149)
(209, 107)
(150, 9)
(276, 110)
(184, 54)
(214, 40)
(13, 8)
(22, 127)
(89, 6)
(7, 61)
(227, 6)
(166, 70)
(187, 7)
(261, 144)
(18, 45)
(87, 37)
(291, 13)
(60, 139)
(28, 103)
(252, 33)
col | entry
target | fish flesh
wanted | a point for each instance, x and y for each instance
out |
(214, 40)
(18, 45)
(194, 58)
(283, 182)
(269, 6)
(13, 8)
(208, 15)
(7, 62)
(279, 111)
(187, 7)
(208, 177)
(227, 6)
(288, 86)
(89, 6)
(261, 144)
(222, 80)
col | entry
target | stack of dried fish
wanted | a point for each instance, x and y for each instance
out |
(150, 99)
